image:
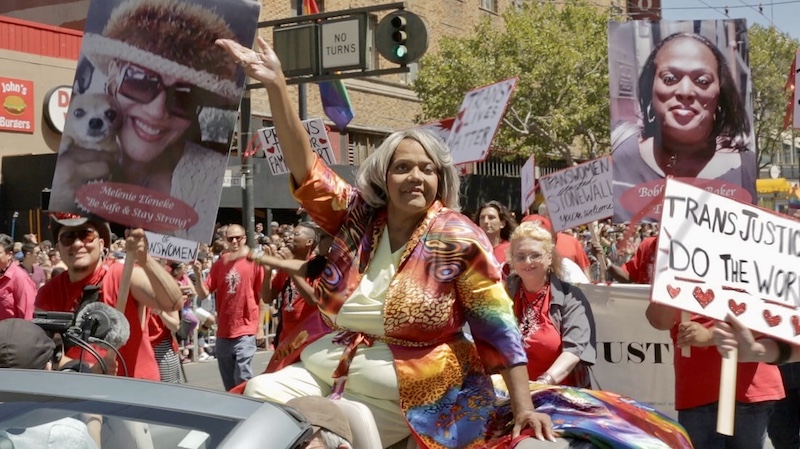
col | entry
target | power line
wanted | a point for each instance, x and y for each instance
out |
(724, 13)
(761, 11)
(744, 5)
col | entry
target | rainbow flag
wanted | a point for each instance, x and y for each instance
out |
(335, 101)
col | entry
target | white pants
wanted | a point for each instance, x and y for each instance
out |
(295, 381)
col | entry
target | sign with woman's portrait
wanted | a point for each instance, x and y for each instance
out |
(680, 107)
(152, 113)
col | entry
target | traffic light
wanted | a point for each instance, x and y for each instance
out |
(401, 37)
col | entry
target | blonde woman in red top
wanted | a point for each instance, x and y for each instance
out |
(554, 317)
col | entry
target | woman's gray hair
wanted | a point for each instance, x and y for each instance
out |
(371, 177)
(332, 440)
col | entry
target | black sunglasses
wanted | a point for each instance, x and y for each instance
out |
(183, 100)
(86, 235)
(234, 238)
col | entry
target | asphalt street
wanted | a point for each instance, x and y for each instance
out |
(206, 375)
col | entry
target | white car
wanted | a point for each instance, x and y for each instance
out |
(51, 409)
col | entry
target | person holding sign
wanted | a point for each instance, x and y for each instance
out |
(555, 318)
(497, 222)
(81, 242)
(697, 379)
(694, 124)
(163, 74)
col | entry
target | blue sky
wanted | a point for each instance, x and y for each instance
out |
(784, 14)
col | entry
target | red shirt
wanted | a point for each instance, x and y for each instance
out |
(237, 284)
(61, 295)
(501, 251)
(697, 376)
(294, 308)
(640, 267)
(158, 331)
(569, 247)
(544, 345)
(17, 293)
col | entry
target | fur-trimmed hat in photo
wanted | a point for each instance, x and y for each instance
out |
(172, 37)
(61, 219)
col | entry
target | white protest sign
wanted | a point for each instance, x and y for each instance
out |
(579, 194)
(633, 358)
(478, 120)
(317, 135)
(441, 128)
(527, 178)
(171, 248)
(717, 256)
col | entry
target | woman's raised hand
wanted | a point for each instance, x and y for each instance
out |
(262, 65)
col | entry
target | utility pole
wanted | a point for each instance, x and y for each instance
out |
(248, 216)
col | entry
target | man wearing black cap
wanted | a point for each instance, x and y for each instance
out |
(25, 345)
(331, 429)
(81, 242)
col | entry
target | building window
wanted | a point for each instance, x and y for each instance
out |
(489, 5)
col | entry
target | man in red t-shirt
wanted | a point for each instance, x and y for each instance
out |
(237, 283)
(80, 241)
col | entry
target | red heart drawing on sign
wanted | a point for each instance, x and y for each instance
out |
(673, 291)
(703, 297)
(737, 308)
(322, 140)
(271, 150)
(796, 324)
(772, 320)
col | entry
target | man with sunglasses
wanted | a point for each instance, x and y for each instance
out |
(237, 283)
(81, 241)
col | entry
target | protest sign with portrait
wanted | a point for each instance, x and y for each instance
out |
(717, 256)
(149, 127)
(680, 106)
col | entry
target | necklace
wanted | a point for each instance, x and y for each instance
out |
(532, 305)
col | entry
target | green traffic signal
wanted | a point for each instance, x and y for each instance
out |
(401, 37)
(400, 51)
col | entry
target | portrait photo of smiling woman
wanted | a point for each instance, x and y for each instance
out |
(164, 102)
(687, 115)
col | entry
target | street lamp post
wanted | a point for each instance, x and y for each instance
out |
(14, 224)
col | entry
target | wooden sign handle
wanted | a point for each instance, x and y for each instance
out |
(125, 282)
(601, 261)
(686, 350)
(727, 393)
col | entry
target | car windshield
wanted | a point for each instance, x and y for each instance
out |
(36, 424)
(45, 409)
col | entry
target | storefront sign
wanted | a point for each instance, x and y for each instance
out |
(56, 104)
(17, 113)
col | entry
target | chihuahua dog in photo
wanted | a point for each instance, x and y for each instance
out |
(88, 146)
